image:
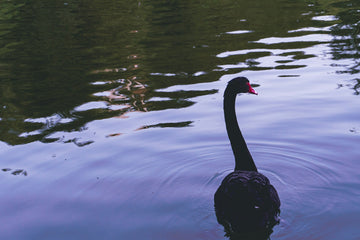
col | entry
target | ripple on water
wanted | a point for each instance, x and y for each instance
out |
(196, 165)
(292, 165)
(302, 178)
(309, 188)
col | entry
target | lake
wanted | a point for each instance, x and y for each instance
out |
(112, 127)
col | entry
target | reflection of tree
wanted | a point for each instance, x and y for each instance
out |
(65, 65)
(133, 95)
(42, 74)
(54, 55)
(346, 44)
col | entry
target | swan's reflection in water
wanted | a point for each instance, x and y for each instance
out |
(247, 235)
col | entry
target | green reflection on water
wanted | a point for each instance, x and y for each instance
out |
(55, 56)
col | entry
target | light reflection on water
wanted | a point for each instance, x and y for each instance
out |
(131, 142)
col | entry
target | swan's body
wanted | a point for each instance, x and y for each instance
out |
(245, 202)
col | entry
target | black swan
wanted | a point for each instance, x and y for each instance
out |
(246, 204)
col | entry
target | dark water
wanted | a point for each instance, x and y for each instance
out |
(111, 123)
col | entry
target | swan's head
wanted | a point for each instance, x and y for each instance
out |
(240, 85)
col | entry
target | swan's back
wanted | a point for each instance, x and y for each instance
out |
(247, 202)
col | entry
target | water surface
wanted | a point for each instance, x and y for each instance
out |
(111, 122)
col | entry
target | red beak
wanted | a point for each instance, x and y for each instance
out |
(251, 90)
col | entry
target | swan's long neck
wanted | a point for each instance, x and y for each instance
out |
(243, 158)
